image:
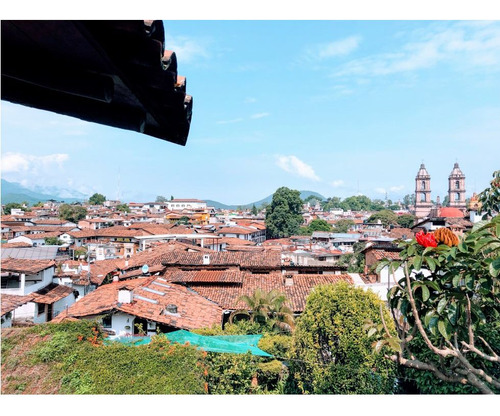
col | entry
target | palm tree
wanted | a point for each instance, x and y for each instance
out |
(266, 306)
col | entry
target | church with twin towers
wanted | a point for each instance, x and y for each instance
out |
(456, 192)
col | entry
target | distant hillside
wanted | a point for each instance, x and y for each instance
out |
(15, 192)
(220, 205)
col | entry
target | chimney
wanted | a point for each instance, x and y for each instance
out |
(116, 278)
(125, 295)
(289, 280)
(206, 259)
(171, 308)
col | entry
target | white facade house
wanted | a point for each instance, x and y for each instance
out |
(180, 204)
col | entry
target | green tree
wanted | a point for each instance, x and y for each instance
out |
(73, 213)
(331, 203)
(446, 201)
(38, 204)
(386, 217)
(408, 200)
(490, 197)
(97, 199)
(331, 353)
(448, 318)
(266, 308)
(53, 241)
(343, 225)
(123, 208)
(160, 199)
(284, 215)
(406, 220)
(254, 210)
(319, 225)
(13, 205)
(356, 203)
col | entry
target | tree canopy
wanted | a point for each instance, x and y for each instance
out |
(123, 208)
(406, 220)
(343, 225)
(160, 199)
(13, 205)
(97, 199)
(331, 353)
(448, 317)
(386, 217)
(73, 213)
(284, 215)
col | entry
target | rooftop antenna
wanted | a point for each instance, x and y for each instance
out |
(118, 193)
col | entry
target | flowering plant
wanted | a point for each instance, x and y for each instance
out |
(426, 239)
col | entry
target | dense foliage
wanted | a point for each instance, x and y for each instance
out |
(123, 208)
(284, 214)
(406, 220)
(71, 356)
(73, 213)
(315, 225)
(13, 205)
(385, 216)
(97, 199)
(448, 310)
(343, 225)
(331, 353)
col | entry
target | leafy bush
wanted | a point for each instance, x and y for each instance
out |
(277, 345)
(331, 352)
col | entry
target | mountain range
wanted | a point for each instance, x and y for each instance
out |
(268, 199)
(15, 192)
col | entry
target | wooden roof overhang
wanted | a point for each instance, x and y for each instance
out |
(115, 73)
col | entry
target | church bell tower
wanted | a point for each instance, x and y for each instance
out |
(423, 204)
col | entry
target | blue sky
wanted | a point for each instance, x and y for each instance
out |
(336, 107)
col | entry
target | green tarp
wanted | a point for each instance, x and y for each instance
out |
(234, 344)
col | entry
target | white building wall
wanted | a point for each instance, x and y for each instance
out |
(122, 323)
(62, 304)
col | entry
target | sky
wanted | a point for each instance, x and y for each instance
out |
(339, 107)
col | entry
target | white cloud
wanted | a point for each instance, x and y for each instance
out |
(396, 188)
(332, 49)
(250, 100)
(337, 183)
(259, 115)
(380, 190)
(186, 49)
(19, 162)
(294, 165)
(459, 44)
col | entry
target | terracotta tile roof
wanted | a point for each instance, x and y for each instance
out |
(227, 296)
(26, 266)
(11, 302)
(193, 311)
(14, 245)
(138, 272)
(267, 259)
(52, 294)
(43, 235)
(384, 254)
(204, 276)
(49, 222)
(235, 241)
(235, 230)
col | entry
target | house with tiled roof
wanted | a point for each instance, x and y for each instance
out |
(33, 279)
(151, 304)
(226, 288)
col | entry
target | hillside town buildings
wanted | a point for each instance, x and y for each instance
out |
(181, 264)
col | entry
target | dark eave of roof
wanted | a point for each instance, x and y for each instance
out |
(115, 73)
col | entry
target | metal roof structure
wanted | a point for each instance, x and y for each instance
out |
(115, 73)
(32, 253)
